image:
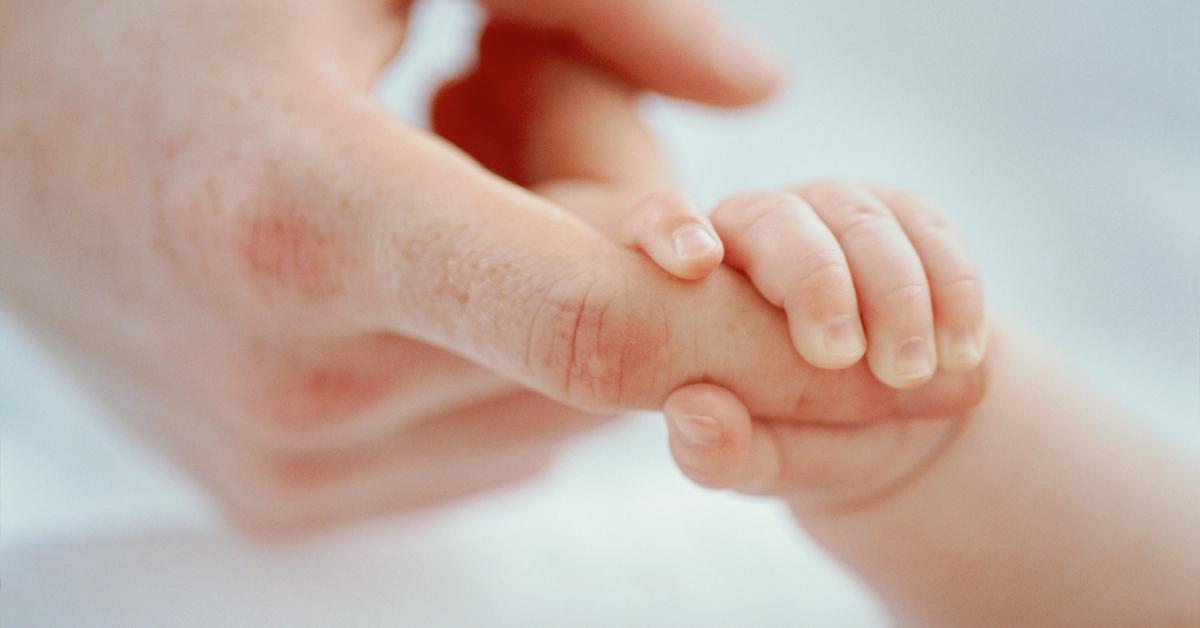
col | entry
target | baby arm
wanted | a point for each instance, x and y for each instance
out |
(1042, 506)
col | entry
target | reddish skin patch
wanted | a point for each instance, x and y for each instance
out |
(337, 395)
(319, 397)
(289, 251)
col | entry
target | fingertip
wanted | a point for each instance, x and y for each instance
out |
(960, 351)
(837, 344)
(905, 364)
(697, 249)
(750, 71)
(670, 229)
(704, 398)
(709, 429)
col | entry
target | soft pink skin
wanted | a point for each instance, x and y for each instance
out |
(837, 255)
(661, 224)
(1042, 506)
(293, 292)
(244, 255)
(815, 273)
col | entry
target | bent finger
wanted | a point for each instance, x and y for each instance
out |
(797, 264)
(672, 231)
(717, 445)
(889, 278)
(535, 113)
(954, 283)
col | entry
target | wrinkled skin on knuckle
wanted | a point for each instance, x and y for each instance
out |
(590, 346)
(823, 271)
(909, 297)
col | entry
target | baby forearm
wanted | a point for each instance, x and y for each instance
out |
(1049, 508)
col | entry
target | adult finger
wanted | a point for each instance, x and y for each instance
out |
(362, 224)
(681, 48)
(535, 113)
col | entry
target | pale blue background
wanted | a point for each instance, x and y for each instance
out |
(1064, 138)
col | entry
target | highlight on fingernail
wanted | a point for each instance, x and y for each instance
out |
(913, 359)
(963, 348)
(699, 430)
(843, 336)
(692, 241)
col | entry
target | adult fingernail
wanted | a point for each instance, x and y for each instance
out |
(699, 430)
(912, 359)
(692, 241)
(844, 336)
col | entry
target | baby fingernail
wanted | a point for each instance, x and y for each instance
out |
(692, 241)
(701, 431)
(912, 359)
(963, 348)
(844, 336)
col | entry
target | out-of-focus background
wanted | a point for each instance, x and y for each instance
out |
(1063, 136)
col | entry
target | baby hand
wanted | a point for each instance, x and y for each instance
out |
(859, 271)
(856, 269)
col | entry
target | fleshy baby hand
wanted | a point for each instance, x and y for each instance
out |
(841, 260)
(859, 271)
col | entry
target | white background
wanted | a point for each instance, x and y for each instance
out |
(1064, 138)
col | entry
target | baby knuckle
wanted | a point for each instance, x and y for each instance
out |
(905, 297)
(847, 207)
(821, 187)
(747, 210)
(659, 206)
(822, 271)
(964, 294)
(854, 217)
(931, 226)
(962, 286)
(914, 201)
